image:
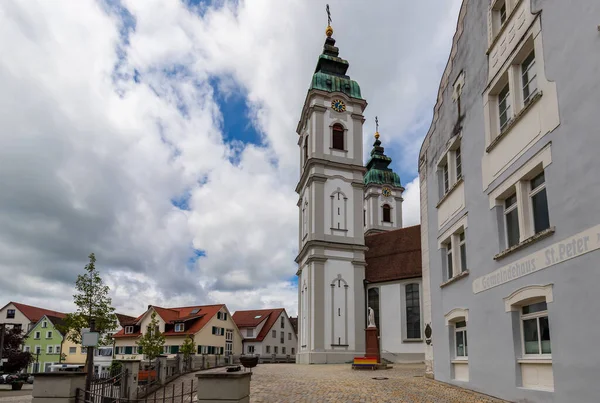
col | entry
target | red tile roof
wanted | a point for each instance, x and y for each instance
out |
(124, 319)
(393, 255)
(249, 319)
(196, 320)
(34, 313)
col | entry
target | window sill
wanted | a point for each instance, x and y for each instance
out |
(338, 229)
(503, 28)
(460, 361)
(412, 341)
(449, 192)
(539, 236)
(455, 278)
(535, 361)
(340, 345)
(337, 149)
(514, 121)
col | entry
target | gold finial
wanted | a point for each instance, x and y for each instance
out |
(376, 128)
(329, 30)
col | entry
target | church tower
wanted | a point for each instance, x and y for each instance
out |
(331, 261)
(383, 193)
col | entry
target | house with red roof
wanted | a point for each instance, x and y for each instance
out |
(25, 316)
(267, 333)
(211, 326)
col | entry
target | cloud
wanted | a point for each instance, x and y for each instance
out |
(110, 121)
(411, 204)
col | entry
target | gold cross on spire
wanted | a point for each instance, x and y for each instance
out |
(329, 30)
(376, 128)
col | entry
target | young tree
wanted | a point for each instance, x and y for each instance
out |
(188, 348)
(152, 342)
(17, 359)
(93, 303)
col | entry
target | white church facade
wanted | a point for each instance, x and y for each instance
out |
(353, 251)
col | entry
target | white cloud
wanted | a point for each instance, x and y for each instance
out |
(411, 205)
(90, 158)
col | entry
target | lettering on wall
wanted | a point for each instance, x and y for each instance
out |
(572, 247)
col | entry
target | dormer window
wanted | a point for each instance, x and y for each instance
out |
(179, 327)
(337, 140)
(128, 329)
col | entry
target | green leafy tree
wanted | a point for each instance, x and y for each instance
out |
(152, 342)
(92, 302)
(188, 348)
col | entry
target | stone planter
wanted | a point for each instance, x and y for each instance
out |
(16, 385)
(249, 361)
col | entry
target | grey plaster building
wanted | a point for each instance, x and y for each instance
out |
(510, 183)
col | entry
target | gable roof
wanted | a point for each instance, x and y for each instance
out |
(198, 319)
(54, 320)
(124, 319)
(393, 255)
(33, 313)
(294, 322)
(249, 319)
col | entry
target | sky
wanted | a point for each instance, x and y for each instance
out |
(160, 135)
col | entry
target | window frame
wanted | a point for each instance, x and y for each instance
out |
(449, 259)
(386, 209)
(274, 333)
(458, 163)
(526, 85)
(446, 178)
(11, 313)
(534, 192)
(507, 98)
(537, 316)
(37, 335)
(507, 210)
(462, 253)
(418, 309)
(338, 133)
(464, 330)
(128, 330)
(179, 327)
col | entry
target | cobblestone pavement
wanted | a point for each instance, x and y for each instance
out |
(284, 383)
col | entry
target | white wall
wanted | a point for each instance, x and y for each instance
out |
(19, 318)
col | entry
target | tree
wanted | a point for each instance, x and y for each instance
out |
(17, 359)
(188, 348)
(92, 302)
(152, 342)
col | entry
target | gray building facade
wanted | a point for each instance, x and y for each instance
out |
(510, 218)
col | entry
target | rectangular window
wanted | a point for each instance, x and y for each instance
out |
(460, 329)
(529, 77)
(413, 312)
(504, 107)
(49, 335)
(268, 349)
(229, 335)
(219, 315)
(289, 336)
(539, 203)
(128, 329)
(174, 349)
(449, 260)
(458, 163)
(38, 349)
(282, 318)
(373, 303)
(276, 350)
(512, 220)
(44, 324)
(446, 178)
(250, 349)
(56, 349)
(282, 338)
(274, 333)
(228, 348)
(282, 350)
(536, 329)
(26, 349)
(463, 251)
(179, 327)
(250, 332)
(293, 351)
(503, 13)
(10, 314)
(338, 137)
(37, 335)
(49, 349)
(128, 349)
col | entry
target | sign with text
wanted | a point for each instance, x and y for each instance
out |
(575, 246)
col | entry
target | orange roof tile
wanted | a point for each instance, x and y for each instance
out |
(34, 313)
(394, 255)
(249, 319)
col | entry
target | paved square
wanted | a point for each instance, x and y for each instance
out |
(339, 383)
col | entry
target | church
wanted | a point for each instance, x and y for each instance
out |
(354, 253)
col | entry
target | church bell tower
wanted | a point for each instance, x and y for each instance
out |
(331, 259)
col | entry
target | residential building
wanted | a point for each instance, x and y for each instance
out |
(346, 209)
(103, 355)
(266, 333)
(44, 342)
(509, 188)
(73, 354)
(211, 327)
(24, 316)
(294, 322)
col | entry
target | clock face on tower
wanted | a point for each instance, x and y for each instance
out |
(338, 105)
(387, 192)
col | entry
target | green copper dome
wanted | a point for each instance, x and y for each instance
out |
(330, 73)
(378, 171)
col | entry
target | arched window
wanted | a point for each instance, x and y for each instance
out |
(338, 137)
(387, 213)
(305, 149)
